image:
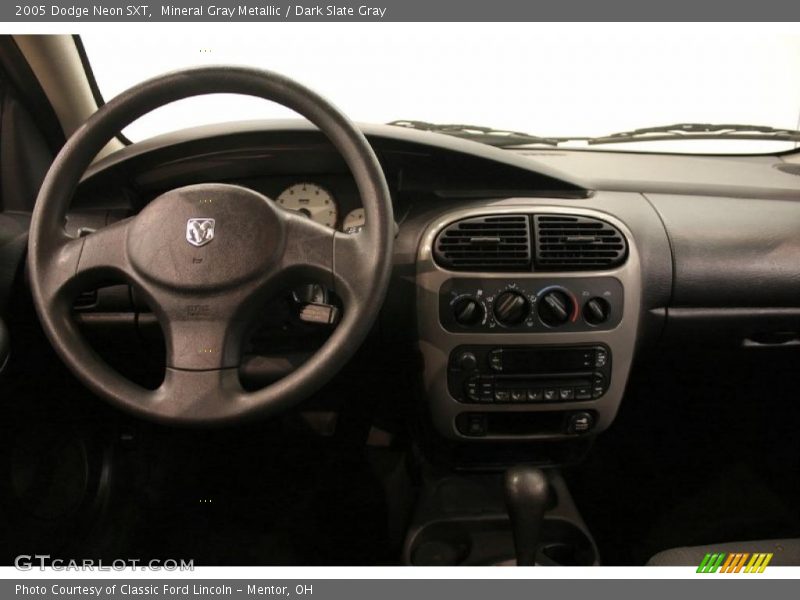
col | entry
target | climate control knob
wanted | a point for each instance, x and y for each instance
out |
(555, 307)
(511, 308)
(596, 311)
(468, 311)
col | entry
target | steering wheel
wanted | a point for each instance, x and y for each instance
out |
(206, 257)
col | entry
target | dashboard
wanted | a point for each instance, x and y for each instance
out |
(527, 281)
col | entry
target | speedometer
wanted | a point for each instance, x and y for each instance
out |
(311, 200)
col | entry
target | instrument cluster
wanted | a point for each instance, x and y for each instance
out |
(319, 204)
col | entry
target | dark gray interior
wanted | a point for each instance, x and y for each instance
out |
(427, 412)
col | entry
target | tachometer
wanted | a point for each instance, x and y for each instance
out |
(312, 200)
(354, 221)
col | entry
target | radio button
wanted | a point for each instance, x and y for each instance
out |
(550, 395)
(598, 391)
(580, 422)
(501, 395)
(476, 425)
(518, 395)
(535, 395)
(566, 394)
(496, 360)
(471, 389)
(487, 392)
(583, 393)
(600, 359)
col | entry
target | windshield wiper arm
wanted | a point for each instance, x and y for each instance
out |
(698, 131)
(679, 131)
(477, 133)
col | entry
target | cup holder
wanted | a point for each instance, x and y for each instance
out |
(441, 553)
(488, 541)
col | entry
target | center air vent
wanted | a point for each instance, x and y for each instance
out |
(489, 243)
(575, 242)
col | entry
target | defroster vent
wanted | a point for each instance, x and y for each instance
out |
(487, 243)
(566, 242)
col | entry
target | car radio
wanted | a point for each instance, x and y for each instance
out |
(517, 374)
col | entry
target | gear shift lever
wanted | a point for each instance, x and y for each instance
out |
(526, 490)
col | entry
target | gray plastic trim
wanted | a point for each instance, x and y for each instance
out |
(436, 343)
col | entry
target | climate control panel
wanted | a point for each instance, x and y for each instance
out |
(530, 305)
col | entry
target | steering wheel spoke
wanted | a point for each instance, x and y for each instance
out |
(314, 253)
(354, 266)
(208, 395)
(202, 334)
(88, 261)
(308, 253)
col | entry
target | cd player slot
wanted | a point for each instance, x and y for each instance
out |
(556, 379)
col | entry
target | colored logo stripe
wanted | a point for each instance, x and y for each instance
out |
(758, 563)
(741, 562)
(734, 562)
(711, 562)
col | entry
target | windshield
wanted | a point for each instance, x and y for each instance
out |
(547, 81)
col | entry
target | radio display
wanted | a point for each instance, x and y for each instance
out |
(546, 361)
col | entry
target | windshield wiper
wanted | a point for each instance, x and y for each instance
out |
(698, 131)
(679, 131)
(486, 135)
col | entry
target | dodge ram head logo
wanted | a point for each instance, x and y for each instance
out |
(199, 232)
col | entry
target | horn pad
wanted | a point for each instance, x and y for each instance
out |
(206, 237)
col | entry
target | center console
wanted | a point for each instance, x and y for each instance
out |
(528, 316)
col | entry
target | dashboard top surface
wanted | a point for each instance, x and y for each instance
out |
(558, 171)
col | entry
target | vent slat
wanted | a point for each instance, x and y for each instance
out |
(566, 242)
(491, 243)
